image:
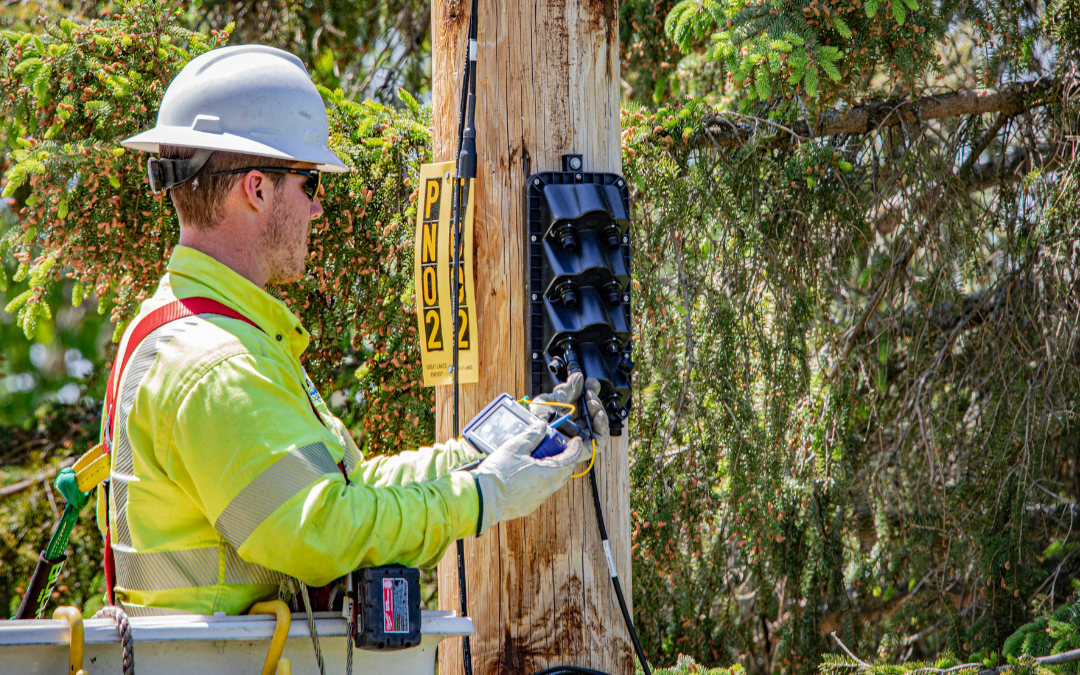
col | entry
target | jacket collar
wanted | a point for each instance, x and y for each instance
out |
(192, 274)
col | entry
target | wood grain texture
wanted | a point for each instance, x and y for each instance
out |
(547, 84)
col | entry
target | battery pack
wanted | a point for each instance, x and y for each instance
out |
(387, 607)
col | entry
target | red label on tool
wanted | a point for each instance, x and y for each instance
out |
(388, 605)
(395, 593)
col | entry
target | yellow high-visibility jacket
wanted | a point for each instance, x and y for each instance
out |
(224, 482)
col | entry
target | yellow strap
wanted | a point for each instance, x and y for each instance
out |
(92, 468)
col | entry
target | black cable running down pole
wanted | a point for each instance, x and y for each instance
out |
(463, 598)
(607, 548)
(465, 170)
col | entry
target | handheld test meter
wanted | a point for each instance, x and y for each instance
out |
(503, 418)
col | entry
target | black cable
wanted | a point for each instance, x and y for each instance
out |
(607, 548)
(463, 597)
(466, 168)
(466, 112)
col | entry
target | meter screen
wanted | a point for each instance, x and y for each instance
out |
(500, 425)
(499, 421)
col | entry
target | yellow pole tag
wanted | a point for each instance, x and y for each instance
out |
(432, 260)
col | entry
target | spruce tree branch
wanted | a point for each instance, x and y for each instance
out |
(688, 346)
(935, 200)
(1052, 660)
(1011, 167)
(1014, 166)
(981, 146)
(942, 671)
(912, 639)
(1063, 657)
(862, 664)
(1008, 101)
(898, 266)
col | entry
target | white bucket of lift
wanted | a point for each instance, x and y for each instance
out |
(209, 645)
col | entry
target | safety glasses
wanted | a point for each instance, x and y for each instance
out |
(310, 186)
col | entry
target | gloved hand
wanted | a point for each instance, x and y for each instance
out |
(570, 392)
(513, 484)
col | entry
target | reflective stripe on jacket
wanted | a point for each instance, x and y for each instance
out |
(224, 481)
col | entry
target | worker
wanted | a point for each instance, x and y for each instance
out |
(229, 474)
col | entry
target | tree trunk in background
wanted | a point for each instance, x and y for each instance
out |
(547, 84)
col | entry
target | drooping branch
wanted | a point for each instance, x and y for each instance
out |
(970, 311)
(896, 269)
(1015, 165)
(984, 142)
(733, 130)
(1010, 168)
(861, 666)
(1057, 659)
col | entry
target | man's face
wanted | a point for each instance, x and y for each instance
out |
(285, 240)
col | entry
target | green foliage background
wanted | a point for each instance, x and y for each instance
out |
(855, 401)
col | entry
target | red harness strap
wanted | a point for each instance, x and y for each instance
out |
(174, 311)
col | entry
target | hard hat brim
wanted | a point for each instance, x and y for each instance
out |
(152, 139)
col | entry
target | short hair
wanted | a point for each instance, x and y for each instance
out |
(200, 201)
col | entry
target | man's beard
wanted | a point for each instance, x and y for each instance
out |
(284, 254)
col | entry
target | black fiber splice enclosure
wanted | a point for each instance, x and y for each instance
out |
(579, 282)
(387, 608)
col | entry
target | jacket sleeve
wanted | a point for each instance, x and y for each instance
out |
(249, 451)
(424, 464)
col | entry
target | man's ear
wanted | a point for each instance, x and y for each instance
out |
(254, 187)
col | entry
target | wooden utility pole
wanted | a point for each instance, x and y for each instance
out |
(547, 84)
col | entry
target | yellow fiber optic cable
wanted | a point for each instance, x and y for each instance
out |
(591, 460)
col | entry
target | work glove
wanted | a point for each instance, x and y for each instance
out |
(513, 484)
(570, 392)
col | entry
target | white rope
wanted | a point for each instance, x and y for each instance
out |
(123, 626)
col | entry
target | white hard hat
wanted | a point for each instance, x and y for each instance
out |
(250, 99)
